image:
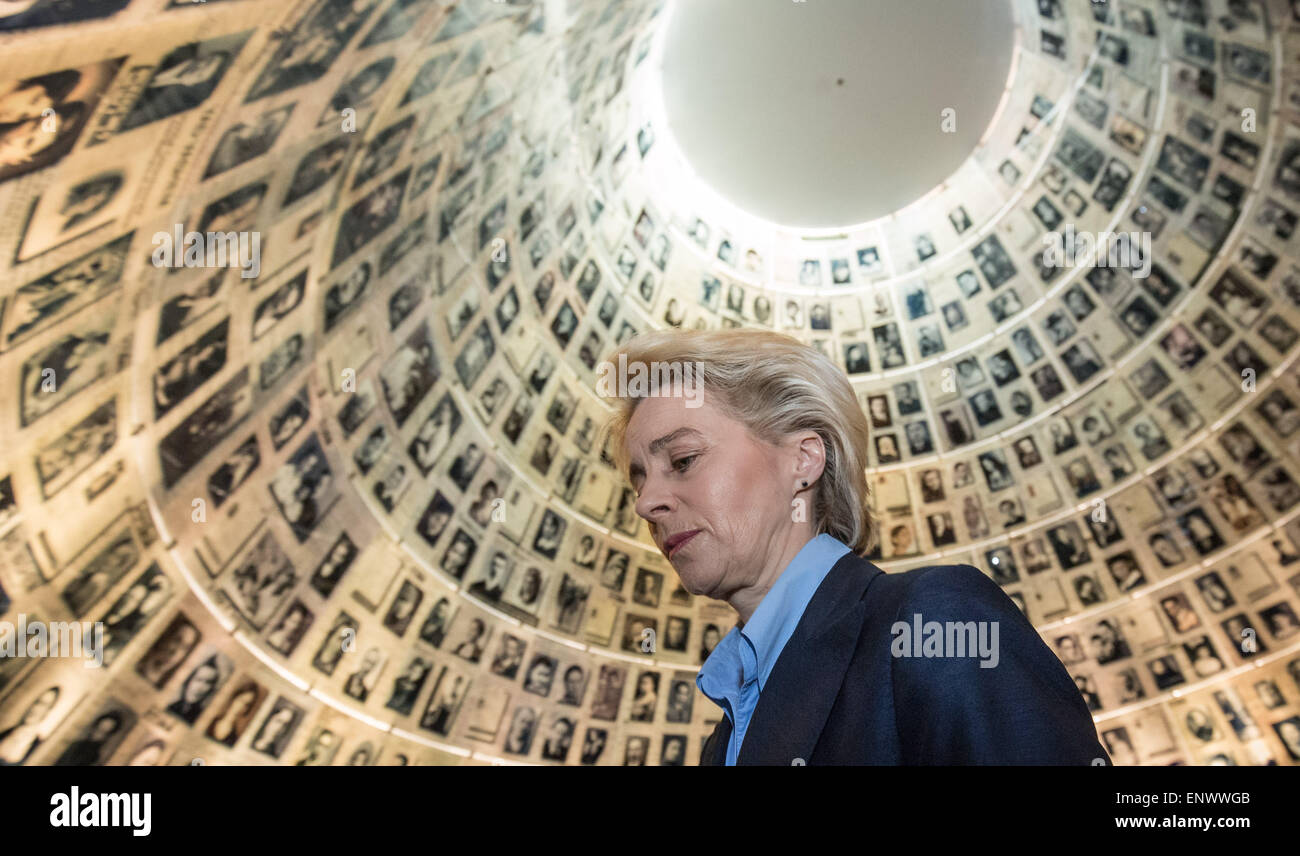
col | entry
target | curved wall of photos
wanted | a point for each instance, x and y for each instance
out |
(342, 500)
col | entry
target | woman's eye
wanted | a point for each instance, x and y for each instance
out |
(677, 464)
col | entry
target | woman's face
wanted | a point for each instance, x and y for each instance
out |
(148, 756)
(541, 674)
(710, 474)
(457, 554)
(200, 684)
(404, 605)
(191, 73)
(243, 703)
(96, 198)
(523, 724)
(292, 622)
(129, 603)
(291, 425)
(40, 708)
(438, 521)
(22, 141)
(25, 103)
(278, 722)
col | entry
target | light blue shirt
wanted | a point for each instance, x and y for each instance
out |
(738, 669)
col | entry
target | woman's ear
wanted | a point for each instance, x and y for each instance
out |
(810, 458)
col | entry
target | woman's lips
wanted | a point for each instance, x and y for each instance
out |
(682, 543)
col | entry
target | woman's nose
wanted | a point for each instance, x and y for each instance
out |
(653, 501)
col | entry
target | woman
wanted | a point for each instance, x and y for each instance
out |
(756, 492)
(360, 682)
(556, 746)
(28, 141)
(269, 739)
(471, 648)
(481, 509)
(529, 588)
(197, 690)
(647, 695)
(148, 755)
(284, 637)
(19, 741)
(435, 626)
(437, 717)
(494, 583)
(520, 736)
(89, 749)
(232, 721)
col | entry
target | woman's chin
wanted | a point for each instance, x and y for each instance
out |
(687, 573)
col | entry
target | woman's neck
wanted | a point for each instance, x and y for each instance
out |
(746, 600)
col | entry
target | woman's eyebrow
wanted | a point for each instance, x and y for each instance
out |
(668, 438)
(638, 470)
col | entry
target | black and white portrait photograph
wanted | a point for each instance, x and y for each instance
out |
(368, 217)
(288, 630)
(345, 296)
(260, 580)
(169, 650)
(199, 687)
(303, 488)
(277, 729)
(407, 377)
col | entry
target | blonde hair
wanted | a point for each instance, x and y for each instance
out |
(775, 386)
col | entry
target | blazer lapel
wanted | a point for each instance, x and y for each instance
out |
(714, 752)
(806, 679)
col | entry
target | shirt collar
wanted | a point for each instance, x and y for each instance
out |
(772, 623)
(778, 614)
(721, 676)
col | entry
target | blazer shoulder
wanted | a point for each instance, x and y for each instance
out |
(939, 578)
(963, 586)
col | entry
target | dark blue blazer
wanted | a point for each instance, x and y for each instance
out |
(838, 695)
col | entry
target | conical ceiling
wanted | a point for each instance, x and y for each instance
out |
(301, 304)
